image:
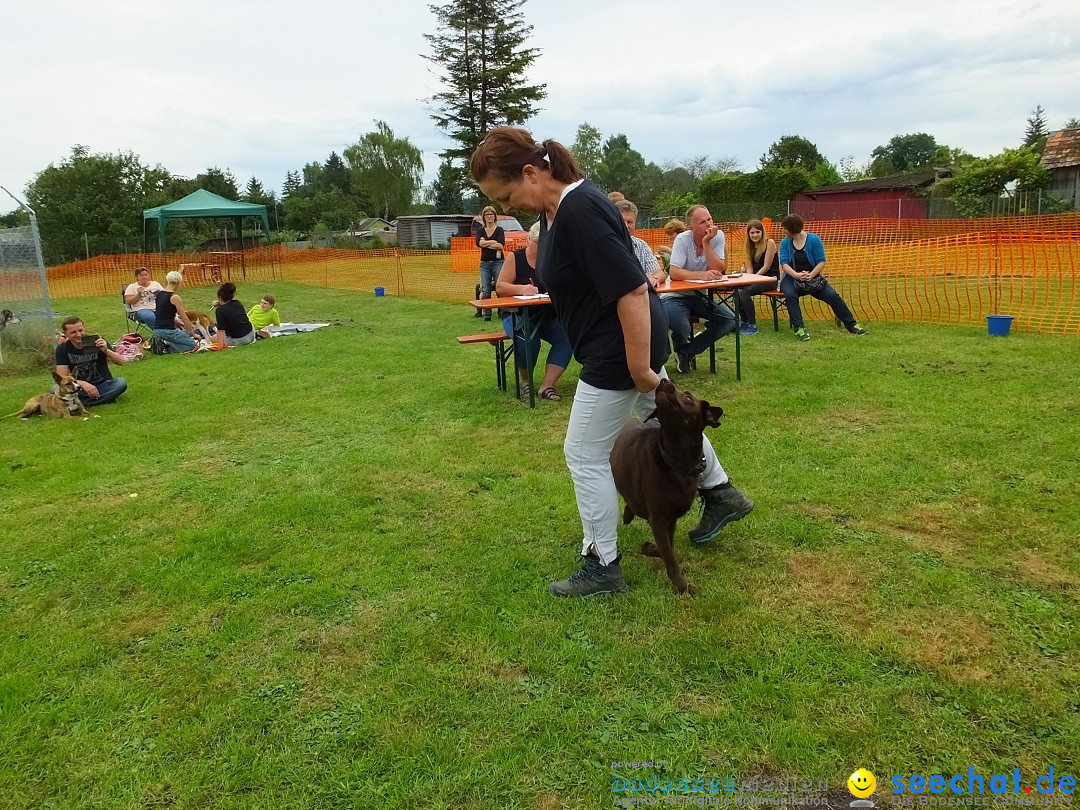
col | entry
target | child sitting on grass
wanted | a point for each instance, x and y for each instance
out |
(263, 315)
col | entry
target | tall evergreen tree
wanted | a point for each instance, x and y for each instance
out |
(1036, 131)
(481, 53)
(336, 173)
(446, 191)
(292, 183)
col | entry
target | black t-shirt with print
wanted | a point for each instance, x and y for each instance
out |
(587, 263)
(88, 363)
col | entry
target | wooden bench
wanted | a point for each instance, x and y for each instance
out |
(504, 350)
(776, 301)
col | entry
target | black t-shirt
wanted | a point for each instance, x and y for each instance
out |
(232, 317)
(587, 263)
(774, 268)
(164, 311)
(488, 254)
(87, 363)
(800, 262)
(525, 273)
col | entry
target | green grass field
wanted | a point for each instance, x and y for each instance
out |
(311, 573)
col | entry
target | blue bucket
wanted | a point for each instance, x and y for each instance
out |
(999, 324)
(380, 292)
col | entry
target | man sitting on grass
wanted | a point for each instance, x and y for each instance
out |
(263, 315)
(89, 363)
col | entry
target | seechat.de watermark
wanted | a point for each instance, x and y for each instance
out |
(973, 788)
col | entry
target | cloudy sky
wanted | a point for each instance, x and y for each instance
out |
(265, 87)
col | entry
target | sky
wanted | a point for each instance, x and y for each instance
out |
(263, 88)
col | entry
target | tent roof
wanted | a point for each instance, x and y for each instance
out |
(203, 203)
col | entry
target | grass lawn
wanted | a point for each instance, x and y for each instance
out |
(310, 574)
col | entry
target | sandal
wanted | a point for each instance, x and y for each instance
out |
(523, 390)
(549, 393)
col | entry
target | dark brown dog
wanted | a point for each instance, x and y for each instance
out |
(64, 404)
(656, 468)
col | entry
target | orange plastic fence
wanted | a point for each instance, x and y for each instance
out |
(930, 271)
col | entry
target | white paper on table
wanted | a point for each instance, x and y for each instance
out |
(531, 297)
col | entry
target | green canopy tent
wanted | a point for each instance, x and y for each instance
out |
(202, 203)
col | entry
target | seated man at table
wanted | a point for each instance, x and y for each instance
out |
(697, 253)
(646, 258)
(139, 297)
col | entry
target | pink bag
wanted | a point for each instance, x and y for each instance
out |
(130, 347)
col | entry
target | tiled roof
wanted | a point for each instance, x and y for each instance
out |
(1062, 149)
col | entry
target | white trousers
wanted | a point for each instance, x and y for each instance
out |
(596, 418)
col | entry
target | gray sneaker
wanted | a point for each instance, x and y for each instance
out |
(719, 506)
(592, 578)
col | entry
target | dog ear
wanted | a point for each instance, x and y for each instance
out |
(57, 377)
(711, 414)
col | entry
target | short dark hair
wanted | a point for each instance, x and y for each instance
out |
(140, 270)
(226, 292)
(268, 299)
(70, 320)
(792, 223)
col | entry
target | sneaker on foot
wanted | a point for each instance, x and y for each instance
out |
(719, 507)
(592, 578)
(683, 362)
(858, 330)
(802, 334)
(749, 329)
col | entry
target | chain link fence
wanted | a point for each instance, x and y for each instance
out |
(26, 317)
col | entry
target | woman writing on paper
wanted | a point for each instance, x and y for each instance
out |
(518, 277)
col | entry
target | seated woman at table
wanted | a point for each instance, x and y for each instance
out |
(764, 261)
(518, 277)
(802, 258)
(233, 326)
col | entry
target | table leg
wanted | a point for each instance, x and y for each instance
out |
(526, 332)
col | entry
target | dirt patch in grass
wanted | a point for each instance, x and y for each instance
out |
(831, 588)
(934, 528)
(852, 420)
(956, 644)
(1040, 571)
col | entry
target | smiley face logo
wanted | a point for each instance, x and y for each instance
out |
(861, 783)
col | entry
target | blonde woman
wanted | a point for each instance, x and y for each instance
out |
(492, 241)
(170, 308)
(763, 259)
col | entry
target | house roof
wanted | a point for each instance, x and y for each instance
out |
(917, 179)
(369, 223)
(1062, 149)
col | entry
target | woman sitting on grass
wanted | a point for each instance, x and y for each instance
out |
(234, 328)
(518, 277)
(802, 258)
(169, 308)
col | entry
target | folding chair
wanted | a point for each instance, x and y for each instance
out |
(140, 327)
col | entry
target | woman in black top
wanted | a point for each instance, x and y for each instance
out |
(519, 277)
(615, 324)
(169, 309)
(491, 240)
(234, 328)
(765, 261)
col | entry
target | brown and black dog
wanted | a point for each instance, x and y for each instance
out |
(656, 469)
(64, 404)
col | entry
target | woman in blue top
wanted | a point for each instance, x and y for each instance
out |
(802, 258)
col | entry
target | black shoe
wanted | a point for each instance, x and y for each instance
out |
(592, 578)
(683, 362)
(719, 507)
(478, 314)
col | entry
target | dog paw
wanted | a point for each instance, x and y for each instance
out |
(650, 550)
(686, 590)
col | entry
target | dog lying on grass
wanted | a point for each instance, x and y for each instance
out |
(64, 404)
(656, 468)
